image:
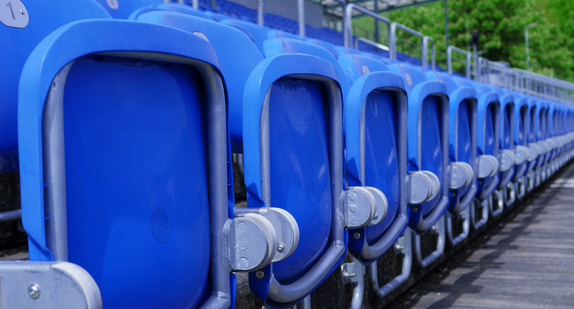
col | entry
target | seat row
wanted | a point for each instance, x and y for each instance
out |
(124, 116)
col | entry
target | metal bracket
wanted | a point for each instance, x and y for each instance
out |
(351, 272)
(63, 285)
(533, 151)
(251, 242)
(507, 159)
(423, 187)
(381, 206)
(354, 273)
(359, 207)
(543, 147)
(521, 153)
(487, 166)
(285, 227)
(461, 175)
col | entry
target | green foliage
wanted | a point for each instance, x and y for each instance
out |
(501, 24)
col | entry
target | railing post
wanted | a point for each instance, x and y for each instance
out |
(260, 6)
(301, 16)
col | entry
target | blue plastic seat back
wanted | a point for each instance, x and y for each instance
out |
(120, 143)
(488, 127)
(299, 169)
(284, 35)
(465, 151)
(542, 121)
(134, 125)
(381, 155)
(462, 130)
(466, 116)
(256, 33)
(428, 118)
(328, 46)
(533, 119)
(375, 120)
(357, 65)
(122, 9)
(293, 160)
(555, 125)
(490, 131)
(431, 150)
(17, 44)
(277, 46)
(520, 120)
(507, 122)
(236, 63)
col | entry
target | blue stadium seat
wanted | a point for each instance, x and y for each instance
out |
(376, 142)
(554, 134)
(462, 148)
(533, 145)
(521, 143)
(487, 151)
(505, 194)
(541, 127)
(129, 160)
(123, 9)
(428, 111)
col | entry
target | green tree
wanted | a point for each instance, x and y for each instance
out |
(501, 26)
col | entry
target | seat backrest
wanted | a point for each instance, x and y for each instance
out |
(128, 195)
(122, 9)
(520, 119)
(533, 116)
(258, 34)
(427, 133)
(375, 143)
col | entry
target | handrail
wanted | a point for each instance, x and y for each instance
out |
(425, 60)
(301, 16)
(393, 38)
(348, 25)
(516, 79)
(260, 8)
(468, 55)
(373, 43)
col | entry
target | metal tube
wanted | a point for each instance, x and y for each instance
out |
(348, 26)
(426, 40)
(393, 38)
(446, 21)
(260, 5)
(217, 180)
(301, 16)
(195, 4)
(10, 215)
(55, 167)
(376, 21)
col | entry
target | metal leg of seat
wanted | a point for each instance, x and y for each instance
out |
(439, 230)
(484, 207)
(404, 246)
(450, 218)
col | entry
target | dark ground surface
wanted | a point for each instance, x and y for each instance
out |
(525, 261)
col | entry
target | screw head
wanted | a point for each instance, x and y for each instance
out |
(259, 274)
(22, 11)
(34, 291)
(357, 235)
(280, 247)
